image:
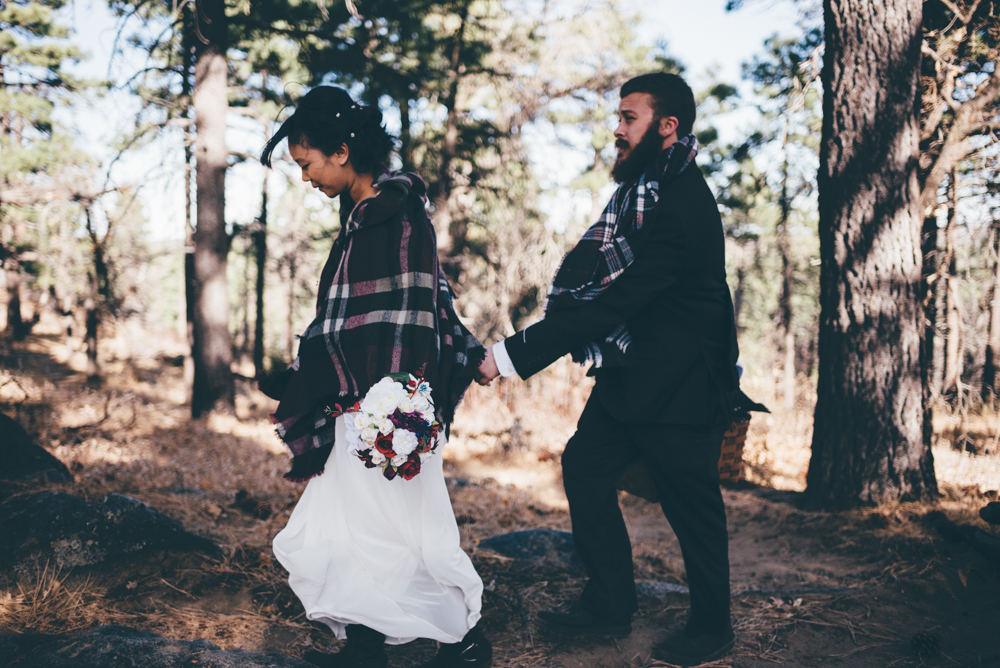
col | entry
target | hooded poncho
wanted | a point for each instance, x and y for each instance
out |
(384, 306)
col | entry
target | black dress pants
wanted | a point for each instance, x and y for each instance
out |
(683, 462)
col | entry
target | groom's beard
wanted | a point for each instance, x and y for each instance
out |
(630, 166)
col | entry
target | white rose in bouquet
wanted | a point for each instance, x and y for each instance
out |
(428, 416)
(383, 397)
(368, 435)
(360, 420)
(398, 460)
(403, 442)
(352, 434)
(421, 404)
(377, 457)
(385, 426)
(405, 406)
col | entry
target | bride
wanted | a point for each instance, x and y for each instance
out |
(372, 548)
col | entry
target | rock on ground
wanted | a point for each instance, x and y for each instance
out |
(120, 647)
(64, 532)
(22, 459)
(537, 548)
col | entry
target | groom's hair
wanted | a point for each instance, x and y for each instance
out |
(671, 97)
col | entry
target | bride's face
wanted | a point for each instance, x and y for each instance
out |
(330, 174)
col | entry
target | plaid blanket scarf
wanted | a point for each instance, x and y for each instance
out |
(384, 306)
(608, 248)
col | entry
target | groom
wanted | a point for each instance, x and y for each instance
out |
(643, 296)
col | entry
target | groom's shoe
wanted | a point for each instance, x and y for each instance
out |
(687, 649)
(365, 648)
(474, 651)
(578, 622)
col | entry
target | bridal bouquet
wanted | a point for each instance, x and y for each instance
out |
(393, 427)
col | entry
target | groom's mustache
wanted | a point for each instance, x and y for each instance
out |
(621, 143)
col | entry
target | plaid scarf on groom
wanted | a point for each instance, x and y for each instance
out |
(608, 248)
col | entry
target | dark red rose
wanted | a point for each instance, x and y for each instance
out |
(410, 467)
(366, 457)
(389, 472)
(384, 445)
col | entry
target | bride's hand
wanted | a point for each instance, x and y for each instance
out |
(487, 368)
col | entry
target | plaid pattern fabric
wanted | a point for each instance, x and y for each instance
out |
(608, 248)
(384, 306)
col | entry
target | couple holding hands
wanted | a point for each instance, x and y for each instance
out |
(372, 547)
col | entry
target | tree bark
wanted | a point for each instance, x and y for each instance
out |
(869, 432)
(15, 323)
(785, 298)
(450, 233)
(189, 280)
(260, 248)
(990, 388)
(929, 287)
(954, 334)
(213, 381)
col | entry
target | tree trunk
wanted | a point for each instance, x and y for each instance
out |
(189, 281)
(405, 136)
(213, 380)
(785, 298)
(16, 328)
(990, 388)
(869, 441)
(947, 275)
(92, 321)
(451, 235)
(929, 286)
(290, 320)
(260, 246)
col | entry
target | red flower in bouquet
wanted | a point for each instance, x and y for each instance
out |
(389, 472)
(410, 467)
(384, 445)
(366, 457)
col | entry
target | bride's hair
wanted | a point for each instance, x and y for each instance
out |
(326, 118)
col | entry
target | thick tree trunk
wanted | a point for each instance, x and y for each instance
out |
(189, 281)
(213, 380)
(869, 432)
(990, 386)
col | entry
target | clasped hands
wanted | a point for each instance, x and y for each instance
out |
(487, 368)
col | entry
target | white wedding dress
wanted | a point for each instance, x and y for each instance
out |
(360, 549)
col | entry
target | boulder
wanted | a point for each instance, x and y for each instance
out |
(22, 459)
(118, 646)
(537, 548)
(66, 532)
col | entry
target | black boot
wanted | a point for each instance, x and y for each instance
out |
(475, 651)
(365, 648)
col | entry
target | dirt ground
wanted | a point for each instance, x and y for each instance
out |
(810, 588)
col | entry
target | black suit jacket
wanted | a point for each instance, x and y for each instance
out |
(676, 303)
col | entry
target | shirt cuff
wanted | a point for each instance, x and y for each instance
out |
(500, 356)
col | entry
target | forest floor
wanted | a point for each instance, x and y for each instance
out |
(811, 588)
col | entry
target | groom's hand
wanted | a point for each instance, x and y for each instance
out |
(487, 368)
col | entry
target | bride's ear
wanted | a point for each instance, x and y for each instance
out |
(342, 156)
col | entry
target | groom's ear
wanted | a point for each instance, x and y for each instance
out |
(668, 126)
